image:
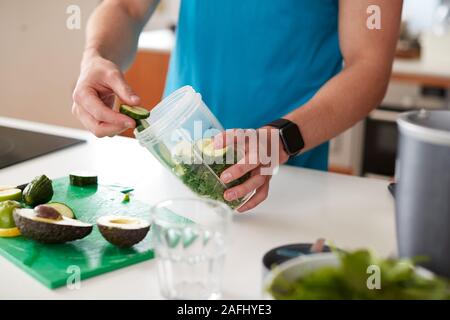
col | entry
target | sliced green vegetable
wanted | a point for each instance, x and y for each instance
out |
(206, 146)
(82, 179)
(38, 191)
(178, 170)
(63, 209)
(141, 125)
(183, 152)
(164, 154)
(11, 194)
(135, 113)
(126, 197)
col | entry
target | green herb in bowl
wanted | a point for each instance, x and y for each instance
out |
(347, 275)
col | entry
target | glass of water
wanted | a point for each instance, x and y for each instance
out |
(190, 240)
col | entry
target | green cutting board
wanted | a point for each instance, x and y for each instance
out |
(55, 265)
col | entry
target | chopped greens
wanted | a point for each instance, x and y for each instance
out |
(200, 180)
(201, 176)
(398, 281)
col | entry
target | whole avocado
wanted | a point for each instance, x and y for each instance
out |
(38, 191)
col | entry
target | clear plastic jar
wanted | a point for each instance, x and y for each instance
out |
(179, 135)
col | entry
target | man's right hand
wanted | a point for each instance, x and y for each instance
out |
(99, 82)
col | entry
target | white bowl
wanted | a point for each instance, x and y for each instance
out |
(299, 267)
(304, 265)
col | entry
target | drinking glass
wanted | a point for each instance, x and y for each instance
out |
(190, 240)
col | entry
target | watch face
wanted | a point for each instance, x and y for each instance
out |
(292, 139)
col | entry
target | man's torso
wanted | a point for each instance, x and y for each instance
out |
(254, 61)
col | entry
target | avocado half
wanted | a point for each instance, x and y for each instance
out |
(47, 230)
(123, 231)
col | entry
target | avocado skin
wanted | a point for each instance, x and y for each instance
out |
(38, 191)
(123, 238)
(49, 232)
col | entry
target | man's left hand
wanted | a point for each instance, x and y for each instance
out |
(262, 153)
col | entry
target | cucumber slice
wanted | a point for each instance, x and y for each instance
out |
(184, 152)
(206, 146)
(82, 178)
(63, 209)
(135, 113)
(164, 154)
(141, 125)
(178, 170)
(11, 194)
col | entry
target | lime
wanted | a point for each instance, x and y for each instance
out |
(6, 213)
(9, 233)
(11, 194)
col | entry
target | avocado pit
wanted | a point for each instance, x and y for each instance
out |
(47, 212)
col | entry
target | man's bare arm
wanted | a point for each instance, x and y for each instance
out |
(360, 87)
(342, 101)
(114, 27)
(111, 43)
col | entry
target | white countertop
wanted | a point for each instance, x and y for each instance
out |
(303, 205)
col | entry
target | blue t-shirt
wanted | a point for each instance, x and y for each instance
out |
(254, 61)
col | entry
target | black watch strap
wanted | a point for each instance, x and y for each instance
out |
(279, 123)
(290, 136)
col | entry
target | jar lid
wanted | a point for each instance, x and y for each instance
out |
(169, 113)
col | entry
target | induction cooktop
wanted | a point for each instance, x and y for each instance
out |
(17, 145)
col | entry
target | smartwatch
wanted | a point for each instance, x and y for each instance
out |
(290, 136)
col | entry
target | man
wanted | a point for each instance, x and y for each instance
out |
(253, 61)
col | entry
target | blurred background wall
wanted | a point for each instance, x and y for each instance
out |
(40, 56)
(39, 59)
